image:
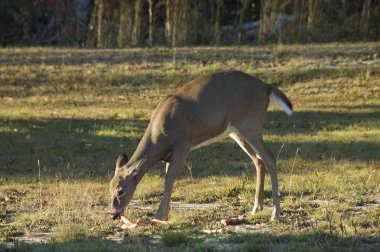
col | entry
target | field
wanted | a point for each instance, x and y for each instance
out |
(66, 114)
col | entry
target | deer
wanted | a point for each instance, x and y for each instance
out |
(203, 111)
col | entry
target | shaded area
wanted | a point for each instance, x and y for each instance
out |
(255, 241)
(64, 147)
(101, 83)
(25, 81)
(311, 122)
(59, 57)
(320, 74)
(228, 159)
(73, 148)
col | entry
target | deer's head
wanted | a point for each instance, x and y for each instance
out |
(123, 185)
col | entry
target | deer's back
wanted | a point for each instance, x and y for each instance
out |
(205, 106)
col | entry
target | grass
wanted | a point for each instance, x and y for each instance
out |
(66, 114)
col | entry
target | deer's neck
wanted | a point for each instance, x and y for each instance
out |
(146, 155)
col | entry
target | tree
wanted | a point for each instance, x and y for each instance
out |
(243, 9)
(135, 38)
(364, 20)
(268, 14)
(150, 3)
(99, 32)
(125, 23)
(313, 15)
(300, 18)
(177, 22)
(168, 20)
(217, 32)
(95, 34)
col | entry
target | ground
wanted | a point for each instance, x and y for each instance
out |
(66, 114)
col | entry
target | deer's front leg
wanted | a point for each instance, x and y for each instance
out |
(172, 170)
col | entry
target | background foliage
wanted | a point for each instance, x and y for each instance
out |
(123, 23)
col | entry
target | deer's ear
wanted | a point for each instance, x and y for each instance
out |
(121, 161)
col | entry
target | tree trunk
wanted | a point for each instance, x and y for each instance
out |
(364, 20)
(150, 3)
(99, 33)
(314, 12)
(168, 20)
(243, 8)
(219, 4)
(90, 42)
(268, 15)
(300, 18)
(121, 35)
(182, 22)
(125, 23)
(177, 22)
(135, 38)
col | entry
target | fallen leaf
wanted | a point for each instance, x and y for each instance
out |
(160, 222)
(128, 224)
(230, 221)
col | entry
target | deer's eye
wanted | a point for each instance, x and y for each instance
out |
(120, 191)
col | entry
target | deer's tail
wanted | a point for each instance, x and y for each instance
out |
(279, 97)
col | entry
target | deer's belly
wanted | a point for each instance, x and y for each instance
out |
(213, 139)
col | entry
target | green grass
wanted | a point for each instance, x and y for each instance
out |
(66, 114)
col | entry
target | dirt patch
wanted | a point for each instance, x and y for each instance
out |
(9, 198)
(175, 205)
(326, 202)
(366, 205)
(12, 196)
(35, 237)
(261, 227)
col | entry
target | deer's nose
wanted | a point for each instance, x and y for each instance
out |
(116, 216)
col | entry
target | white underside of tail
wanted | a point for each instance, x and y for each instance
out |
(281, 103)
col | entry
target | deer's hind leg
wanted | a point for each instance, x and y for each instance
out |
(254, 139)
(260, 171)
